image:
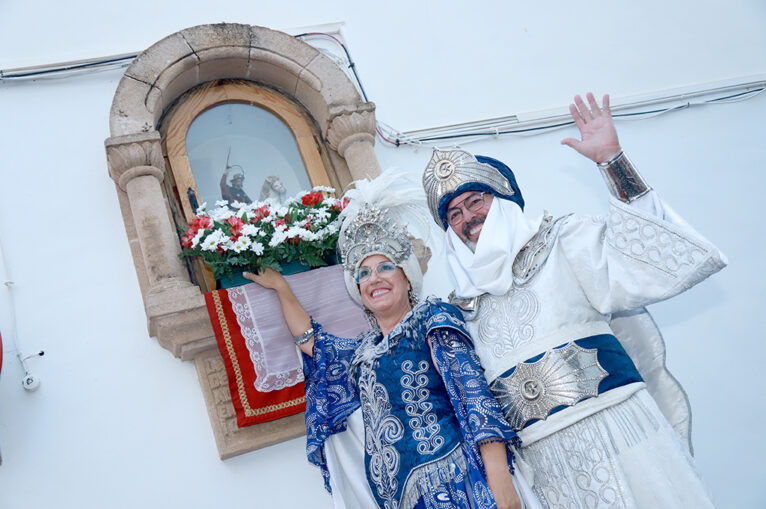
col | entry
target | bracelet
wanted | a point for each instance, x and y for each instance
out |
(622, 178)
(304, 338)
(491, 440)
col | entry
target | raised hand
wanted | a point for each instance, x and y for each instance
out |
(599, 138)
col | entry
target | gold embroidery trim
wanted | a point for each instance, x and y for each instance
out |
(249, 412)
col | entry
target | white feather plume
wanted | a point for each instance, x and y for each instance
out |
(395, 190)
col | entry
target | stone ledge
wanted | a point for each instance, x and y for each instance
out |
(186, 333)
(230, 439)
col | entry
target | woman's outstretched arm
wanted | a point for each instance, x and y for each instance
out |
(297, 319)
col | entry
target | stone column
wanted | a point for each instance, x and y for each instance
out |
(137, 166)
(351, 133)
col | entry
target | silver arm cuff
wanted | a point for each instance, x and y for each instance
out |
(304, 338)
(622, 178)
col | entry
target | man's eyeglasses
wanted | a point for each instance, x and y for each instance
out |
(363, 273)
(472, 203)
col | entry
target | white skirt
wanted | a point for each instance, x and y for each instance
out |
(625, 456)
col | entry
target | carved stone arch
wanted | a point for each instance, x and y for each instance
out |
(175, 307)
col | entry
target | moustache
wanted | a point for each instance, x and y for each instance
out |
(470, 224)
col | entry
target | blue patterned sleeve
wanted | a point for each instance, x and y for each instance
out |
(331, 394)
(480, 416)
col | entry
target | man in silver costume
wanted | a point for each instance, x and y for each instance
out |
(599, 419)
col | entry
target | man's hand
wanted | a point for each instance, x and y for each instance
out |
(599, 137)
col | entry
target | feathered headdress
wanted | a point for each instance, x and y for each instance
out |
(386, 216)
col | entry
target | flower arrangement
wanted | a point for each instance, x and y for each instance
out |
(240, 236)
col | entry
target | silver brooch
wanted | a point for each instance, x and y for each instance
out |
(563, 376)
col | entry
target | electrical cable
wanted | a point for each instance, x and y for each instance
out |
(461, 133)
(351, 64)
(391, 136)
(95, 64)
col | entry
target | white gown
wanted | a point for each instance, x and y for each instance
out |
(616, 449)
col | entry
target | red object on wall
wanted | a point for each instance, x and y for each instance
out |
(250, 405)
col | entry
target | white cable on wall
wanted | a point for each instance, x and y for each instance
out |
(29, 381)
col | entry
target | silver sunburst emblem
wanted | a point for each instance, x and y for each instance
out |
(449, 169)
(563, 376)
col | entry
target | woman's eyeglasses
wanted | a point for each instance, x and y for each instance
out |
(363, 273)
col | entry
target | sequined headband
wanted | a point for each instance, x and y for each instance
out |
(372, 231)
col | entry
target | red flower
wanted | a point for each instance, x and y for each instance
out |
(308, 222)
(312, 198)
(186, 241)
(195, 225)
(340, 206)
(260, 213)
(236, 226)
(199, 222)
(280, 222)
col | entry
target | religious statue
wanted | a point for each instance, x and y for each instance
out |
(234, 192)
(274, 189)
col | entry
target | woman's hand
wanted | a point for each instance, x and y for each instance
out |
(298, 321)
(501, 486)
(599, 137)
(268, 278)
(498, 475)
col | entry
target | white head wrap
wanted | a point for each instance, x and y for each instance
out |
(489, 267)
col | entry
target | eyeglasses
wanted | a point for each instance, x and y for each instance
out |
(363, 273)
(472, 203)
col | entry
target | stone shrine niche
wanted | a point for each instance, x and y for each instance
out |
(162, 93)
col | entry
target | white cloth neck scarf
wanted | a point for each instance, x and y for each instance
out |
(488, 269)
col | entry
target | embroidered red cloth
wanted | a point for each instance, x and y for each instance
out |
(251, 405)
(262, 364)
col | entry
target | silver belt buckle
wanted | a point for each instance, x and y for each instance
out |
(562, 376)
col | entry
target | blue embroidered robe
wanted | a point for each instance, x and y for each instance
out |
(421, 427)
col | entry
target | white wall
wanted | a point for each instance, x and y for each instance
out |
(118, 422)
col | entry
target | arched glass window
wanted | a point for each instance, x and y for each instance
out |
(241, 152)
(237, 141)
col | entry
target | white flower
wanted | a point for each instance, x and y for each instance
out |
(220, 214)
(221, 203)
(198, 237)
(329, 201)
(227, 245)
(301, 233)
(213, 240)
(321, 214)
(241, 244)
(257, 248)
(251, 230)
(323, 188)
(332, 227)
(201, 209)
(278, 237)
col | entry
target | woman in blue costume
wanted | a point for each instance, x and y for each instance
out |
(434, 437)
